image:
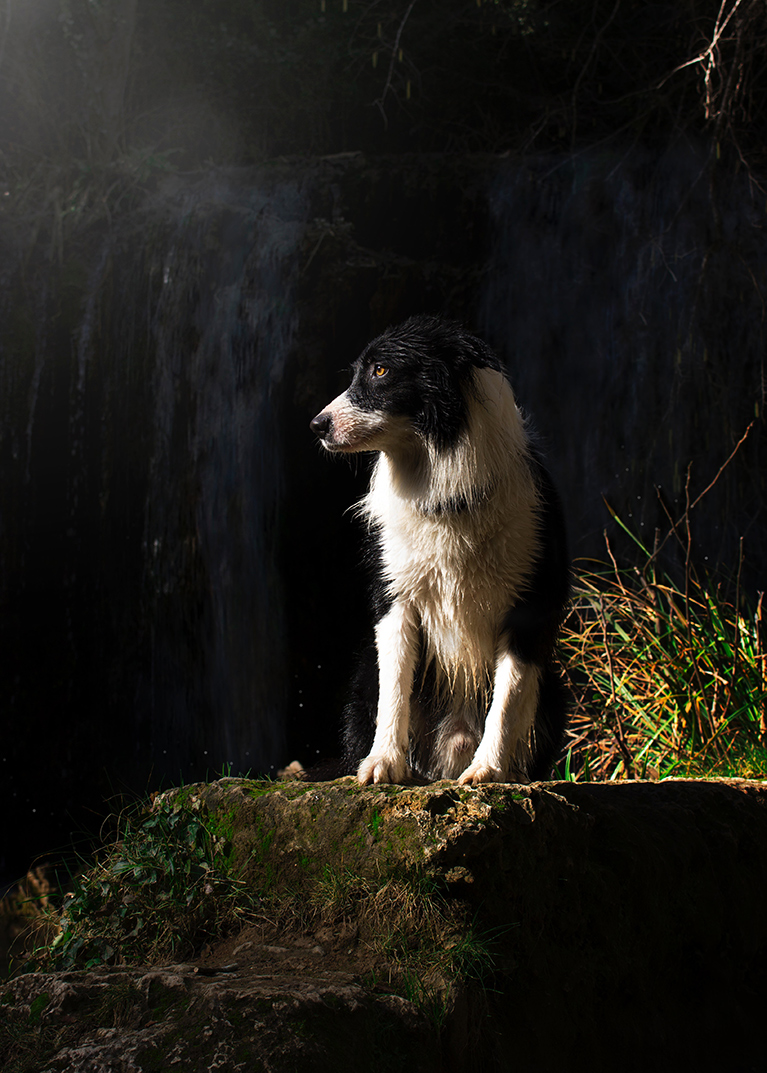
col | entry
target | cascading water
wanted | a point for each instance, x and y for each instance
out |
(627, 294)
(142, 474)
(215, 481)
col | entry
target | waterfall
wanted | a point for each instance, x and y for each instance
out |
(215, 478)
(142, 383)
(626, 293)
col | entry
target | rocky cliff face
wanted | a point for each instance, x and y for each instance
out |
(443, 928)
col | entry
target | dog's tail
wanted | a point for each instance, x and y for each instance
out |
(550, 723)
(360, 710)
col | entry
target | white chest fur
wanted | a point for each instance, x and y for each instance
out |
(458, 531)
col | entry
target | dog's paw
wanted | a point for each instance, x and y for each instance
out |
(381, 768)
(477, 773)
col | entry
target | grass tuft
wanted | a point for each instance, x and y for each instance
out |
(667, 678)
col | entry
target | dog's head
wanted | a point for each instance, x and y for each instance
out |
(412, 381)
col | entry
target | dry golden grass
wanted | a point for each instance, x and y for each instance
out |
(666, 678)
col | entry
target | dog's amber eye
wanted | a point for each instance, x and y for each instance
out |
(379, 370)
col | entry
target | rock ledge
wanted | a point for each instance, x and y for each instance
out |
(627, 924)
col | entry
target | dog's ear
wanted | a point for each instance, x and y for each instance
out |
(443, 408)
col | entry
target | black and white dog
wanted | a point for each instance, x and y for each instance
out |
(473, 575)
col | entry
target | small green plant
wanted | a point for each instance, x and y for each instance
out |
(429, 943)
(164, 884)
(374, 826)
(159, 888)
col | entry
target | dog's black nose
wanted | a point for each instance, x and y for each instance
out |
(321, 425)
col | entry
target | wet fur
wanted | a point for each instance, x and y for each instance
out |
(472, 574)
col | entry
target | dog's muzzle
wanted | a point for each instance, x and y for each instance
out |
(322, 425)
(343, 426)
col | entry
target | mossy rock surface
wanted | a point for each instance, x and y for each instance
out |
(617, 897)
(298, 829)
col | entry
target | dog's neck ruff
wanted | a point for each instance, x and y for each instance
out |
(457, 504)
(425, 481)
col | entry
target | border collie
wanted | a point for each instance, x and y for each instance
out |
(473, 574)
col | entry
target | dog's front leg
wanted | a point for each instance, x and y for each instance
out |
(397, 644)
(509, 720)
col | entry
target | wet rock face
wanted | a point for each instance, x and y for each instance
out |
(622, 919)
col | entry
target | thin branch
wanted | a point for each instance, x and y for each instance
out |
(762, 661)
(595, 45)
(707, 54)
(689, 506)
(617, 729)
(721, 469)
(379, 103)
(736, 632)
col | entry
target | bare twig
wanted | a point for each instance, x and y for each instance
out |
(618, 728)
(684, 519)
(736, 638)
(612, 560)
(594, 46)
(721, 469)
(695, 698)
(379, 103)
(707, 56)
(761, 655)
(607, 651)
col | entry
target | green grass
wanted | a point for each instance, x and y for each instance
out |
(667, 678)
